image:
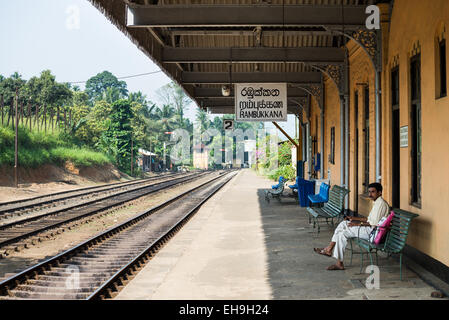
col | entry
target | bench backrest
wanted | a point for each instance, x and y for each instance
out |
(324, 191)
(397, 235)
(336, 200)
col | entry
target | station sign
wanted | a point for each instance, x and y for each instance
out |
(403, 137)
(228, 124)
(261, 102)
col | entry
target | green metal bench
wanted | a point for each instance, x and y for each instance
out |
(395, 239)
(333, 209)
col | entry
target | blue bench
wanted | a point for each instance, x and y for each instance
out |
(281, 180)
(322, 197)
(276, 193)
(299, 181)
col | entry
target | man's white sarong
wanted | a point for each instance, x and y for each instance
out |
(341, 235)
(344, 232)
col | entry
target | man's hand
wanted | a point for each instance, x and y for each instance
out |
(358, 224)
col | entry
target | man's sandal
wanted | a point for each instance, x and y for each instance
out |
(322, 252)
(334, 267)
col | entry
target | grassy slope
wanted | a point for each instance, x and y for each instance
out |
(37, 148)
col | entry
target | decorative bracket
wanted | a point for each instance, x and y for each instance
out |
(315, 90)
(336, 72)
(369, 40)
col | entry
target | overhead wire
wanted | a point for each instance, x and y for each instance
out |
(124, 77)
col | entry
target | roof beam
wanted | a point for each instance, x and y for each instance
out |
(216, 93)
(247, 33)
(253, 55)
(250, 77)
(244, 15)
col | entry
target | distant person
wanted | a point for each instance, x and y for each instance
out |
(352, 227)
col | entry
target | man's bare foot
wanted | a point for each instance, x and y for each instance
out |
(335, 267)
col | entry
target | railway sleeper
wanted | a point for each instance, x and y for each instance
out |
(47, 296)
(66, 274)
(53, 289)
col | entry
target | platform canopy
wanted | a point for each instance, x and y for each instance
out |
(204, 45)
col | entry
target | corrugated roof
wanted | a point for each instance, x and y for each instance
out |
(152, 40)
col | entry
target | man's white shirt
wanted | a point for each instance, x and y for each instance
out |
(380, 209)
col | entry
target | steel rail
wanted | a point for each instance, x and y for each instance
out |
(91, 212)
(34, 271)
(101, 187)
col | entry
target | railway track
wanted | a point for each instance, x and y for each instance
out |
(25, 229)
(100, 266)
(17, 208)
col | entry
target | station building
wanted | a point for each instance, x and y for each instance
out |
(371, 102)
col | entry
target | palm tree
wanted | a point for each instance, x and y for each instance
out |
(202, 119)
(173, 95)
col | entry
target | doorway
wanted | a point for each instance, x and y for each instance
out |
(395, 143)
(356, 151)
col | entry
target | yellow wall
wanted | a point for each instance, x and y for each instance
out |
(416, 21)
(412, 22)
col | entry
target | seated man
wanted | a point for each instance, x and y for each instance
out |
(352, 225)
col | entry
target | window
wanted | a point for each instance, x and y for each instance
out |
(332, 145)
(415, 130)
(442, 69)
(395, 88)
(366, 141)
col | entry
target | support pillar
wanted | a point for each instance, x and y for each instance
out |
(322, 144)
(378, 124)
(299, 154)
(342, 141)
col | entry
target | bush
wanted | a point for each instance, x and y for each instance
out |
(78, 156)
(37, 148)
(288, 172)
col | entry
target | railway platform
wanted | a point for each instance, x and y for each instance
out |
(240, 247)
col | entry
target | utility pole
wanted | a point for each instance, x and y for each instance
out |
(132, 156)
(16, 143)
(150, 156)
(165, 160)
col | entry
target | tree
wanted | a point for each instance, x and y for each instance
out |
(202, 119)
(8, 87)
(138, 97)
(173, 95)
(97, 86)
(119, 134)
(79, 98)
(45, 91)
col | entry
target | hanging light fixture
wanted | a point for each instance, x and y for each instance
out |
(226, 90)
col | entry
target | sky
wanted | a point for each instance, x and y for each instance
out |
(76, 41)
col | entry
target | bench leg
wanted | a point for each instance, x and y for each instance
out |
(361, 263)
(400, 266)
(370, 258)
(350, 242)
